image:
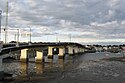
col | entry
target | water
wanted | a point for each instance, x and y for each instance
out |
(51, 70)
(100, 55)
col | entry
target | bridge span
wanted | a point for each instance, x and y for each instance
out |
(63, 48)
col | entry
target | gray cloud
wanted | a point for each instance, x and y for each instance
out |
(99, 19)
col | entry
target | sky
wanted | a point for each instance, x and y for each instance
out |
(82, 21)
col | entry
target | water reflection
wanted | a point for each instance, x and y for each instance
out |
(39, 68)
(23, 69)
(71, 59)
(50, 60)
(61, 64)
(50, 65)
(49, 69)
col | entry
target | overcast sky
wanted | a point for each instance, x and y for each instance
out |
(84, 21)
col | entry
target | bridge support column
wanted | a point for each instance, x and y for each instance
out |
(79, 50)
(61, 52)
(24, 56)
(70, 50)
(1, 70)
(39, 57)
(76, 50)
(83, 50)
(50, 52)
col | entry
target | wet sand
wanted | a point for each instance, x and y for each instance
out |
(77, 71)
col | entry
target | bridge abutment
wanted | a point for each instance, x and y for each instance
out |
(24, 55)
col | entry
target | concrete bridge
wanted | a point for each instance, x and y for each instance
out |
(63, 48)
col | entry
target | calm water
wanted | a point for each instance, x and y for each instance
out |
(51, 69)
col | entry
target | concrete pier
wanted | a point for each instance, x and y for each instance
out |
(61, 52)
(76, 50)
(39, 57)
(24, 55)
(50, 52)
(70, 50)
(80, 50)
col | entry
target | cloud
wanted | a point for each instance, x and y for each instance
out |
(84, 19)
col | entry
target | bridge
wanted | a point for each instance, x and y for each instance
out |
(40, 48)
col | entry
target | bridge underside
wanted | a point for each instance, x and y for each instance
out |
(39, 50)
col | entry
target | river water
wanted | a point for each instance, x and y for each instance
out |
(85, 68)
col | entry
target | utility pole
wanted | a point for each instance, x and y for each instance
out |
(17, 37)
(1, 42)
(0, 22)
(30, 37)
(56, 34)
(6, 25)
